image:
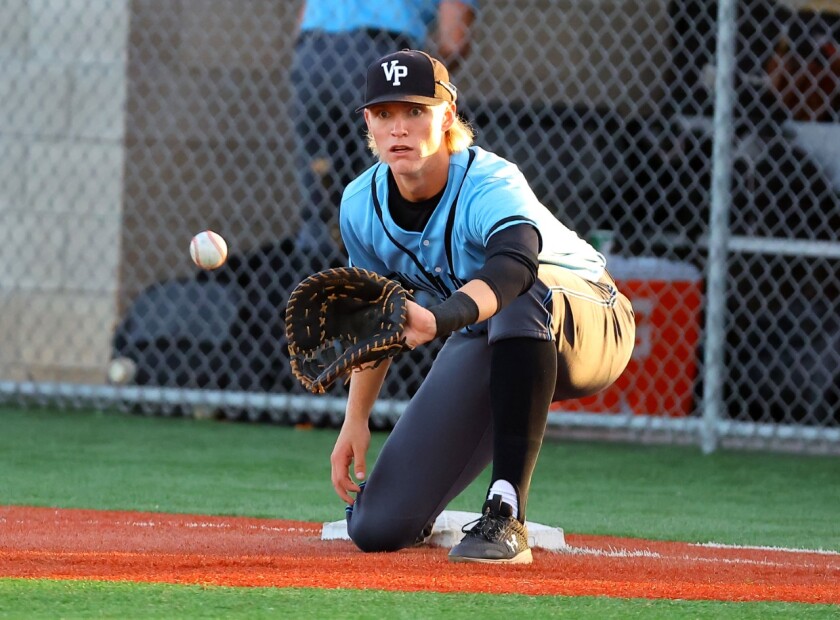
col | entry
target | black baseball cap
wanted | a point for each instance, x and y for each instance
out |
(408, 75)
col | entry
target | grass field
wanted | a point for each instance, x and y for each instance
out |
(53, 599)
(124, 462)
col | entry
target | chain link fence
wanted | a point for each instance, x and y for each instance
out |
(126, 126)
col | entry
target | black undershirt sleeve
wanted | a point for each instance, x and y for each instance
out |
(510, 266)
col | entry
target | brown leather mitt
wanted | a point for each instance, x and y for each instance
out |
(341, 319)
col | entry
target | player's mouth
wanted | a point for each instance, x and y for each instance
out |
(399, 149)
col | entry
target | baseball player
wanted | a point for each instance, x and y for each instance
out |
(531, 313)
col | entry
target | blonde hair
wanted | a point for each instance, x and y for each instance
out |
(458, 138)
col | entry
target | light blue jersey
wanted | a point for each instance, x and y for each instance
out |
(409, 17)
(484, 194)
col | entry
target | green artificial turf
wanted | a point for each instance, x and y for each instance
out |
(91, 599)
(121, 461)
(128, 462)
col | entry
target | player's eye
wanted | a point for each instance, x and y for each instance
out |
(416, 111)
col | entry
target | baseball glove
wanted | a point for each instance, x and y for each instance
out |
(341, 319)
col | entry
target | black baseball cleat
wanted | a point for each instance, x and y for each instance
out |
(497, 537)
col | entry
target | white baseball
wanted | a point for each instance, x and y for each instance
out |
(121, 370)
(208, 250)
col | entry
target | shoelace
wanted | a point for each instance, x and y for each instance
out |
(487, 525)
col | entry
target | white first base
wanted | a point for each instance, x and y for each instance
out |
(447, 531)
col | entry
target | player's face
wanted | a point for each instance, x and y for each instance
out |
(406, 134)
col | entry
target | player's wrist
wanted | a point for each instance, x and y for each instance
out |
(455, 313)
(354, 418)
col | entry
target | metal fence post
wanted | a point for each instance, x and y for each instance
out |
(713, 402)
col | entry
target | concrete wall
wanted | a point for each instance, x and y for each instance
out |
(62, 97)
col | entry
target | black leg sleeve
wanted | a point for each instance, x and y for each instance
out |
(523, 372)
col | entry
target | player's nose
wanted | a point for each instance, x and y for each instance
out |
(398, 128)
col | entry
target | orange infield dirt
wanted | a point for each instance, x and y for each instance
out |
(46, 543)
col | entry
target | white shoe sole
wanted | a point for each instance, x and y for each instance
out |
(523, 557)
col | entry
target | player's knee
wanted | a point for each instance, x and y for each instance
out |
(373, 534)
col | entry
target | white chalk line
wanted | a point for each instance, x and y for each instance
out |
(715, 545)
(646, 553)
(189, 525)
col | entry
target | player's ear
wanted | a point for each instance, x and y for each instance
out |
(449, 115)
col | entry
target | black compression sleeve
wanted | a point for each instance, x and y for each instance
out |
(510, 266)
(456, 312)
(523, 372)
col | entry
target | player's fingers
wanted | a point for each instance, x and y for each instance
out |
(344, 490)
(360, 467)
(340, 477)
(344, 486)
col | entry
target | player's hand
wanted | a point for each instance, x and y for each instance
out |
(420, 325)
(350, 449)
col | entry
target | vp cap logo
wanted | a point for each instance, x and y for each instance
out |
(409, 76)
(394, 71)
